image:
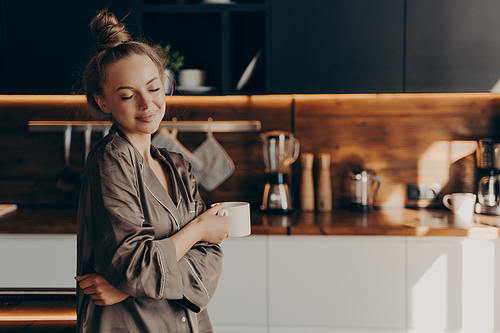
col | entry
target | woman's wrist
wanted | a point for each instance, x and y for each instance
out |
(196, 227)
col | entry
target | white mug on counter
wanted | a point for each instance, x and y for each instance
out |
(239, 217)
(462, 206)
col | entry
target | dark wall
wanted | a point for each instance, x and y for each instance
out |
(45, 44)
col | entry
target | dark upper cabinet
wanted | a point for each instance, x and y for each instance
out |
(46, 44)
(341, 46)
(320, 46)
(452, 45)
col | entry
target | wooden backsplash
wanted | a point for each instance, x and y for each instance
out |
(403, 138)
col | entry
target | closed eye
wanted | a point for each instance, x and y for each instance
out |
(127, 97)
(155, 90)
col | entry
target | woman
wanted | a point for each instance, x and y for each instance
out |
(148, 254)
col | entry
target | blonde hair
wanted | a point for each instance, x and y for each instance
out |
(114, 43)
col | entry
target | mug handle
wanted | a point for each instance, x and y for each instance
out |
(223, 212)
(446, 201)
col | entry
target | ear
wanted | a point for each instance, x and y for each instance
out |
(102, 105)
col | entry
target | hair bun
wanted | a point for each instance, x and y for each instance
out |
(108, 30)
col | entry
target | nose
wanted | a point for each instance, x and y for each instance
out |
(144, 101)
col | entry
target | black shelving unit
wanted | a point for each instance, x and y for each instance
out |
(220, 38)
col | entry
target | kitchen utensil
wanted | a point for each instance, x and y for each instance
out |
(216, 164)
(192, 77)
(362, 189)
(87, 139)
(247, 74)
(168, 140)
(324, 188)
(488, 163)
(307, 183)
(68, 178)
(280, 149)
(462, 206)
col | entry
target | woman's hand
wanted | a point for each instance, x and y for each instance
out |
(100, 290)
(207, 227)
(214, 228)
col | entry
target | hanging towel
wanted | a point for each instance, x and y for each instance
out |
(217, 165)
(165, 139)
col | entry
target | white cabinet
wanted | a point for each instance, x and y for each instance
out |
(37, 261)
(337, 284)
(240, 302)
(452, 284)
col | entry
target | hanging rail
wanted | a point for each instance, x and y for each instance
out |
(181, 126)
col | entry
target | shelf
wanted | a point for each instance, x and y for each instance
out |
(181, 126)
(220, 39)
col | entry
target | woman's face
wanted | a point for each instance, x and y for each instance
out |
(133, 94)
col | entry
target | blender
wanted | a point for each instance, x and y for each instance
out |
(488, 163)
(280, 149)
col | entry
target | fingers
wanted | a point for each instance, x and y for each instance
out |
(84, 277)
(90, 290)
(215, 208)
(87, 280)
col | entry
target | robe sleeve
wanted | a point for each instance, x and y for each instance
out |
(125, 251)
(201, 266)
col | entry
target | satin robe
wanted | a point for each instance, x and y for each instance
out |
(125, 219)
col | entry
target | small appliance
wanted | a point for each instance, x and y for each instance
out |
(280, 150)
(363, 189)
(488, 163)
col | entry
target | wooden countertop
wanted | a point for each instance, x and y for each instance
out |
(384, 222)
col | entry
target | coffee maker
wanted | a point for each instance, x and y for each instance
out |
(280, 150)
(488, 163)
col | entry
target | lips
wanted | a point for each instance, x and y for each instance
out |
(147, 117)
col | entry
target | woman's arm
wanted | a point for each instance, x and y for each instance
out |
(207, 227)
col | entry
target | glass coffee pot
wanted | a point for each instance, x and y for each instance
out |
(488, 163)
(280, 150)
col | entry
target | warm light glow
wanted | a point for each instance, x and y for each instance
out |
(39, 317)
(434, 163)
(39, 312)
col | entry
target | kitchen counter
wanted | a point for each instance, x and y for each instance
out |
(383, 222)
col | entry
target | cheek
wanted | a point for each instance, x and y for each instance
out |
(160, 102)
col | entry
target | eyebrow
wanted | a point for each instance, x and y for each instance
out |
(128, 87)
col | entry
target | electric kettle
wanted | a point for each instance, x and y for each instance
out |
(363, 189)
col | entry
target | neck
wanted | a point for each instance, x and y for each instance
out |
(141, 142)
(143, 145)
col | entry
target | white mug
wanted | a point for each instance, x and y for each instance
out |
(191, 77)
(239, 218)
(462, 206)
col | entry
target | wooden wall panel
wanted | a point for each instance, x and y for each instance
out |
(403, 138)
(30, 162)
